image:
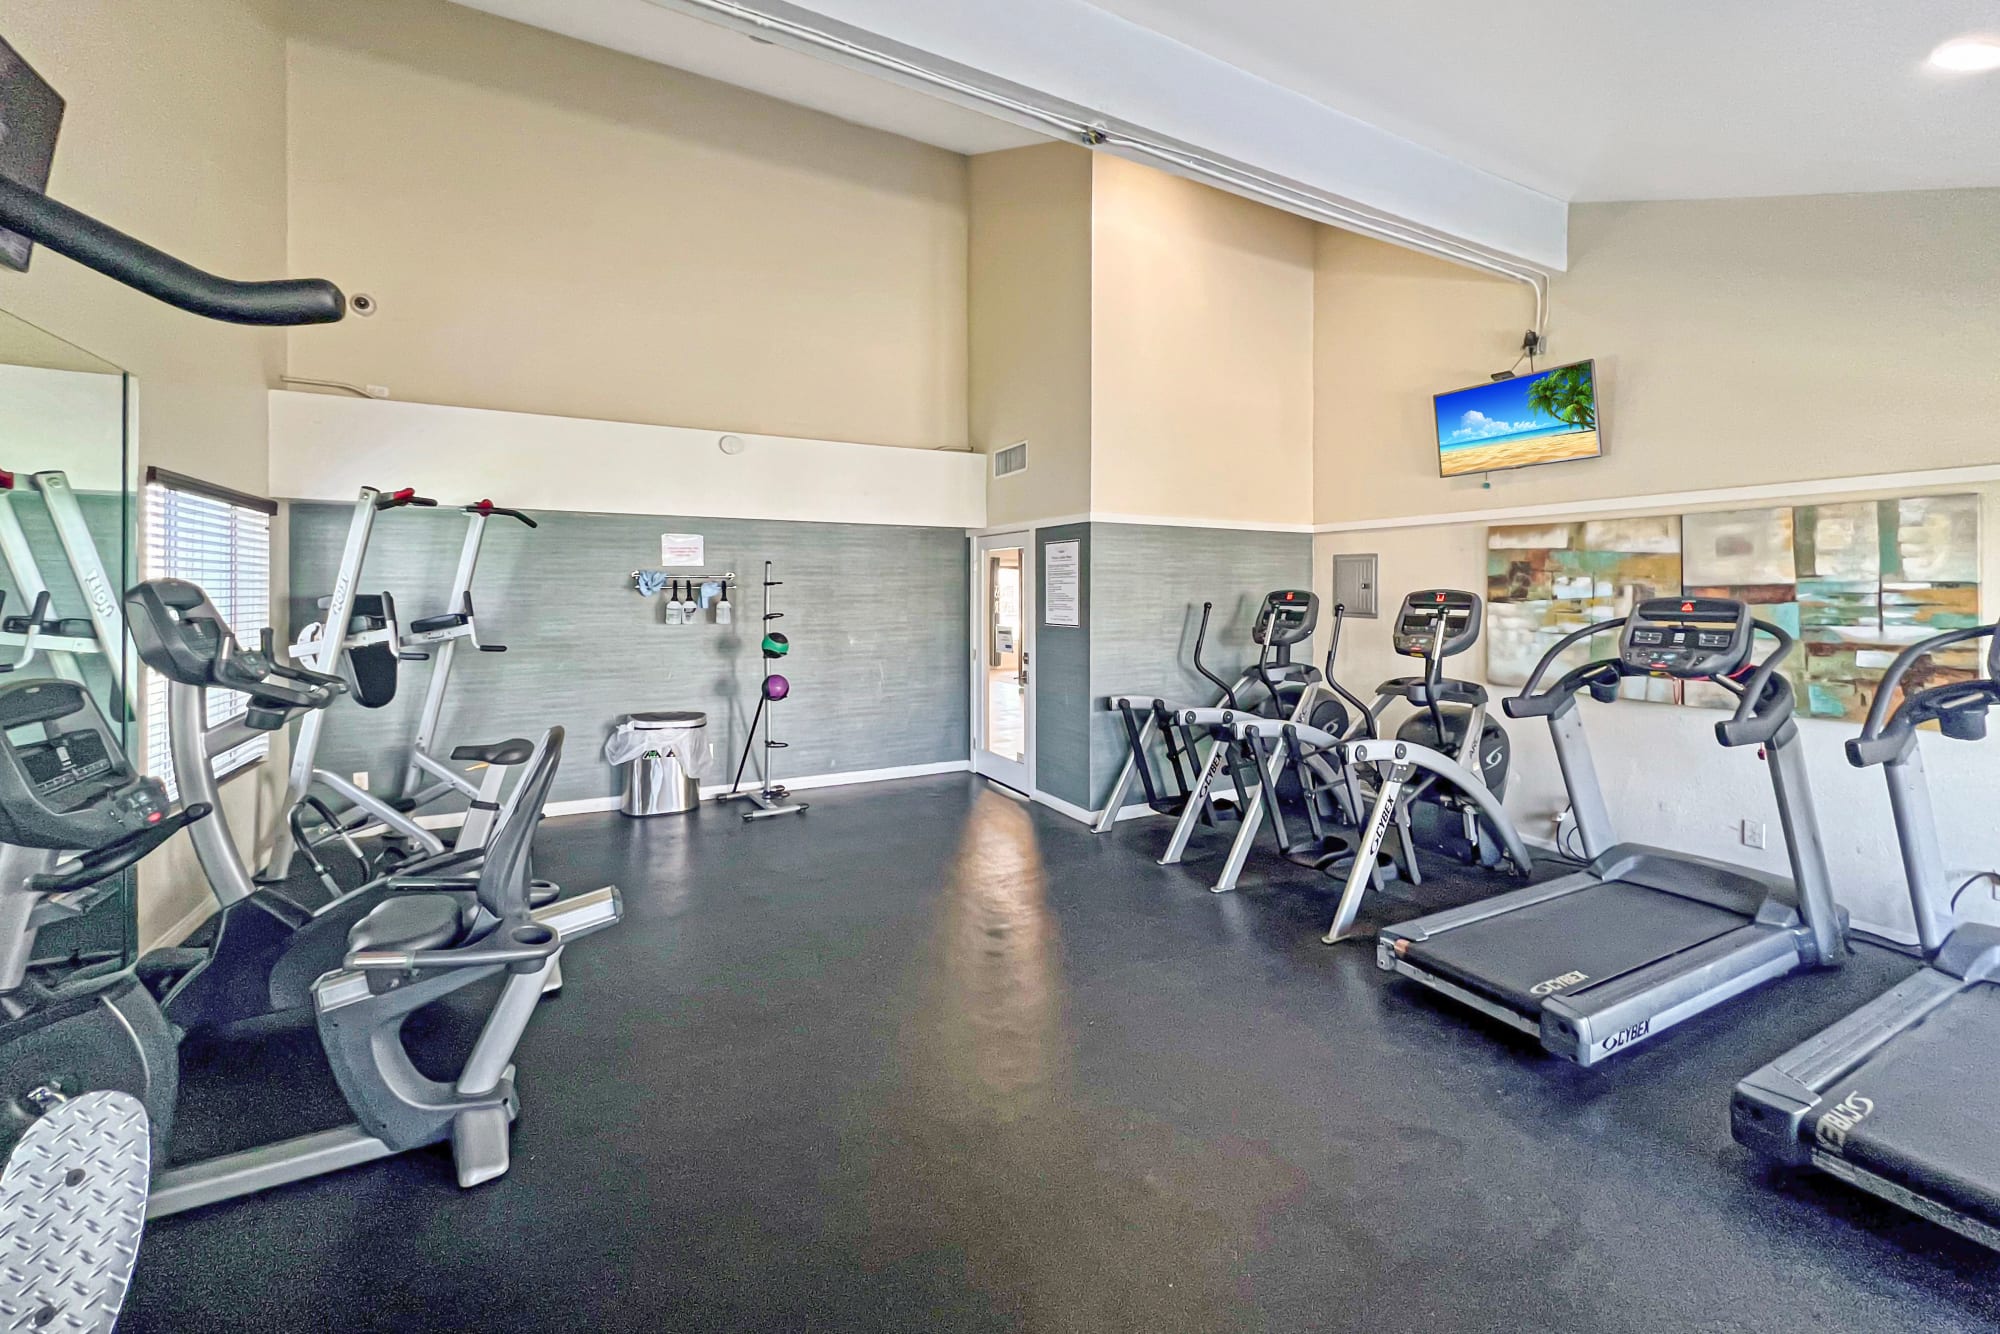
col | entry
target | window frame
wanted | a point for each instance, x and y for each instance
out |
(196, 530)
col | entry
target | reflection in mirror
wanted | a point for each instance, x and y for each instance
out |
(66, 557)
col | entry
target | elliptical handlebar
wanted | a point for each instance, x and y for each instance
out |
(1364, 717)
(486, 509)
(407, 495)
(1201, 636)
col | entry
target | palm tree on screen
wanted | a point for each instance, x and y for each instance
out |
(1568, 395)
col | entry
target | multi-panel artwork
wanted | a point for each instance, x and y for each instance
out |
(1855, 582)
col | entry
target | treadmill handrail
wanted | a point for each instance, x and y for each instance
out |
(1762, 709)
(99, 246)
(1887, 736)
(1530, 704)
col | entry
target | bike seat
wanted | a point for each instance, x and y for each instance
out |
(515, 751)
(451, 620)
(413, 922)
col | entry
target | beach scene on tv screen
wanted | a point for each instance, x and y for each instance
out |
(1543, 418)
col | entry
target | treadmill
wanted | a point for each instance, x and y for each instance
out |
(1895, 1097)
(1598, 962)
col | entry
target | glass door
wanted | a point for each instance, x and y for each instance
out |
(1003, 635)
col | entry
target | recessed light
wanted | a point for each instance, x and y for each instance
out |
(1968, 55)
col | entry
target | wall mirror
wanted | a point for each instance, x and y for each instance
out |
(67, 536)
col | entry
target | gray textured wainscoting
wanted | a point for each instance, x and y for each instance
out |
(1061, 673)
(1147, 583)
(877, 617)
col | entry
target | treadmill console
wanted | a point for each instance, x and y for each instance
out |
(1687, 637)
(1287, 617)
(64, 780)
(1437, 622)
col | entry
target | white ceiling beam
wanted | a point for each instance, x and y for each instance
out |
(1146, 88)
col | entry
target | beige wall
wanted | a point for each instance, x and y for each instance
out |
(1737, 341)
(175, 131)
(1030, 326)
(553, 227)
(1201, 352)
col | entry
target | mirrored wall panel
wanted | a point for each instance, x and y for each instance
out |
(67, 543)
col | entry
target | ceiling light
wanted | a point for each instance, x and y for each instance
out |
(1968, 55)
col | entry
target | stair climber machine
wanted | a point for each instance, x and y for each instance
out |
(266, 945)
(1447, 756)
(1598, 962)
(1897, 1097)
(1269, 687)
(367, 650)
(66, 787)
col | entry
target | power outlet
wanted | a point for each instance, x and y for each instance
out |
(1753, 833)
(361, 781)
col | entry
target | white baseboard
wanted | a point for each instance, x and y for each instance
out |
(1061, 807)
(853, 776)
(185, 927)
(1082, 816)
(709, 791)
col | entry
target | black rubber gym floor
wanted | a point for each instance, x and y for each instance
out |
(927, 1058)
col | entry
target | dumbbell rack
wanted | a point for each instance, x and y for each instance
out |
(768, 798)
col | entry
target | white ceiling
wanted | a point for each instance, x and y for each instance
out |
(1573, 99)
(1619, 99)
(703, 48)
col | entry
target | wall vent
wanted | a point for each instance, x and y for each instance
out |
(1354, 584)
(1008, 461)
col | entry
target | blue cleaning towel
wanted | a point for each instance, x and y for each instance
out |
(651, 582)
(709, 593)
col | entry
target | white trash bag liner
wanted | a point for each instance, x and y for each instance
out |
(679, 734)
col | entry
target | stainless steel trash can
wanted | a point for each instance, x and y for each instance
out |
(656, 782)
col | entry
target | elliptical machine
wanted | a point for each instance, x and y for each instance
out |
(65, 784)
(1291, 692)
(1447, 754)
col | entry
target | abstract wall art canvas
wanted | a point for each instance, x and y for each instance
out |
(1854, 583)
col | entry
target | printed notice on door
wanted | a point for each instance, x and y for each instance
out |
(681, 549)
(1062, 583)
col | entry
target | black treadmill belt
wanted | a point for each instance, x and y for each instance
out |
(1600, 932)
(1918, 1113)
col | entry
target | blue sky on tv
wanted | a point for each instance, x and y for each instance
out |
(1492, 412)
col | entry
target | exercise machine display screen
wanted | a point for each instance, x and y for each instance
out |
(65, 782)
(1287, 616)
(1437, 622)
(69, 770)
(1688, 637)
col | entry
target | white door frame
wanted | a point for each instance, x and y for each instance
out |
(1019, 776)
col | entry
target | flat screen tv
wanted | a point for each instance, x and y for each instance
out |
(1547, 417)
